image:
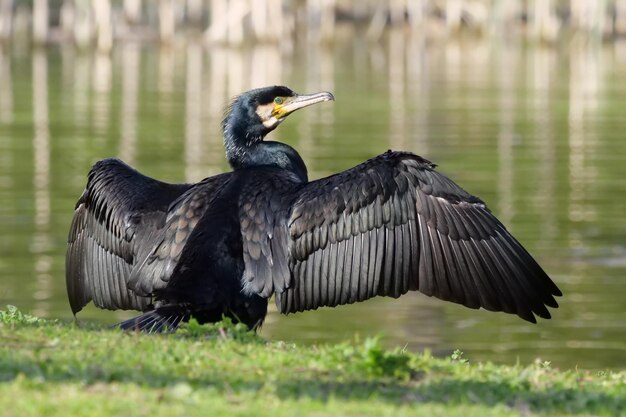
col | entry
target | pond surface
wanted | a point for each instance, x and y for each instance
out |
(538, 133)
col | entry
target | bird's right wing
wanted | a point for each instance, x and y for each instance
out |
(394, 224)
(114, 218)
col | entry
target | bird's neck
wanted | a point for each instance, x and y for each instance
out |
(238, 148)
(266, 154)
(240, 133)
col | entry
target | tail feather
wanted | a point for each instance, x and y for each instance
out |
(166, 318)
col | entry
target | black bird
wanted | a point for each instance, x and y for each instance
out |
(223, 246)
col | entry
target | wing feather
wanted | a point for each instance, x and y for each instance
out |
(355, 282)
(346, 292)
(414, 256)
(339, 272)
(398, 267)
(394, 224)
(118, 209)
(364, 262)
(333, 250)
(489, 299)
(449, 269)
(388, 260)
(426, 277)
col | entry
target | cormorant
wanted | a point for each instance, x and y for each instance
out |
(223, 246)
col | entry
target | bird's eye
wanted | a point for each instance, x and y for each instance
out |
(278, 100)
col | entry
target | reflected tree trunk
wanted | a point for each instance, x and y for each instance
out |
(267, 18)
(194, 155)
(327, 82)
(583, 93)
(620, 17)
(40, 21)
(238, 77)
(102, 80)
(83, 24)
(277, 24)
(544, 25)
(130, 93)
(237, 10)
(132, 11)
(103, 24)
(418, 91)
(544, 137)
(75, 72)
(259, 17)
(266, 66)
(378, 22)
(41, 182)
(415, 13)
(453, 15)
(507, 74)
(218, 27)
(6, 19)
(397, 11)
(167, 21)
(7, 114)
(195, 10)
(305, 132)
(79, 84)
(327, 19)
(67, 17)
(166, 77)
(588, 15)
(396, 77)
(218, 86)
(503, 12)
(227, 19)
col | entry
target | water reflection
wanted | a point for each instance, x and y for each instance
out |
(534, 131)
(216, 94)
(101, 90)
(584, 89)
(41, 244)
(194, 145)
(397, 107)
(6, 98)
(167, 73)
(417, 91)
(130, 92)
(508, 60)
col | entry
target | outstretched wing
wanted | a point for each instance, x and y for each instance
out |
(394, 224)
(115, 216)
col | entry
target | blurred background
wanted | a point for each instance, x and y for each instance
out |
(521, 102)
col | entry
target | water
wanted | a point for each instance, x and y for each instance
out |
(537, 132)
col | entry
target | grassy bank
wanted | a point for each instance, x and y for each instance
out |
(59, 369)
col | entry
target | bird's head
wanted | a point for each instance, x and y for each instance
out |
(253, 114)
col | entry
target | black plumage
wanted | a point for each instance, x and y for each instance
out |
(225, 245)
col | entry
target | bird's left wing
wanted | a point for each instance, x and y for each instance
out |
(115, 217)
(393, 224)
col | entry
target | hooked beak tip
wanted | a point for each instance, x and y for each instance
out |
(328, 96)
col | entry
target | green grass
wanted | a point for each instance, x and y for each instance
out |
(53, 368)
